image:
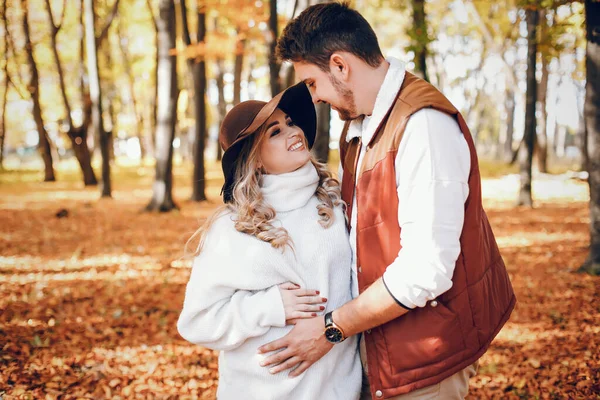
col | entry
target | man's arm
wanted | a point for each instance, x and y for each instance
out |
(374, 307)
(432, 189)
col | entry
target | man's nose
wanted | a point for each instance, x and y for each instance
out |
(315, 98)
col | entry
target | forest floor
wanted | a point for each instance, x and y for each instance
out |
(92, 289)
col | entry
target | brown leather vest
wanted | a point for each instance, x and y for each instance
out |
(428, 344)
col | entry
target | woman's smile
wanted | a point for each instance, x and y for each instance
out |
(296, 146)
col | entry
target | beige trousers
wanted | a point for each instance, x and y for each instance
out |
(454, 387)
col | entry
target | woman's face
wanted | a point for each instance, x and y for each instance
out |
(284, 148)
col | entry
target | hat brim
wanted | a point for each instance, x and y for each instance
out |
(296, 102)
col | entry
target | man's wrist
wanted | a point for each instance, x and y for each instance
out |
(333, 332)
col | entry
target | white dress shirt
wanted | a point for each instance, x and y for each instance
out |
(432, 171)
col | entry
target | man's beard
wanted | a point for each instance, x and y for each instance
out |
(347, 112)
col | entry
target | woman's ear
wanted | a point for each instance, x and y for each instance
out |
(259, 167)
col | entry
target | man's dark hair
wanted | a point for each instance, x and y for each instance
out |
(323, 29)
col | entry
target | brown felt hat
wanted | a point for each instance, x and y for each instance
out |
(244, 120)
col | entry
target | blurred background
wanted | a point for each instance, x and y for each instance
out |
(110, 110)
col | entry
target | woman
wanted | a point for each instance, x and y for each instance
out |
(281, 232)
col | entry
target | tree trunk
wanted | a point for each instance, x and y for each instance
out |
(34, 89)
(96, 97)
(289, 76)
(198, 72)
(199, 180)
(592, 126)
(77, 136)
(583, 145)
(274, 66)
(509, 103)
(3, 125)
(109, 92)
(153, 99)
(222, 105)
(79, 145)
(419, 38)
(162, 196)
(6, 87)
(542, 137)
(237, 69)
(139, 122)
(321, 146)
(526, 151)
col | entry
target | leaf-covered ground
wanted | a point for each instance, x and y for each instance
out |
(89, 300)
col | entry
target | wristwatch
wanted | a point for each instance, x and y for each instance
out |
(333, 333)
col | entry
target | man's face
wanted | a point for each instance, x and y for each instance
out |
(327, 88)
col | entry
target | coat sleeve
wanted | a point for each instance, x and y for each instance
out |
(218, 311)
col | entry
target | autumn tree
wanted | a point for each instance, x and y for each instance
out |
(220, 83)
(274, 64)
(153, 102)
(136, 109)
(168, 92)
(34, 90)
(419, 38)
(77, 135)
(92, 44)
(592, 127)
(197, 68)
(526, 151)
(321, 146)
(6, 85)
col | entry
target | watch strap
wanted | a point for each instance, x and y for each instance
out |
(329, 319)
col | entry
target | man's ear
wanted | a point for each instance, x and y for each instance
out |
(338, 66)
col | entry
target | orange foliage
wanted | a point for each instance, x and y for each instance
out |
(90, 299)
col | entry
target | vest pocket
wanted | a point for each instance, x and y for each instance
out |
(423, 337)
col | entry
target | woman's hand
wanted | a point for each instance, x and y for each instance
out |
(300, 303)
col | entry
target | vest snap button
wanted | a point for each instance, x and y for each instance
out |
(378, 393)
(368, 331)
(433, 303)
(359, 269)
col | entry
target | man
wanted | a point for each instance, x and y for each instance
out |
(430, 290)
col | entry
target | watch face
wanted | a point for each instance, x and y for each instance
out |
(333, 335)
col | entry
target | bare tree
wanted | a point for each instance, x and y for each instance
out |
(510, 107)
(155, 97)
(92, 44)
(541, 147)
(34, 90)
(321, 146)
(198, 71)
(168, 92)
(77, 135)
(419, 38)
(274, 65)
(526, 151)
(139, 120)
(6, 85)
(220, 83)
(592, 126)
(240, 49)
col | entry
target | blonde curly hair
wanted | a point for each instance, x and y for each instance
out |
(256, 217)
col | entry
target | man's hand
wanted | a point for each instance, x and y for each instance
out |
(302, 347)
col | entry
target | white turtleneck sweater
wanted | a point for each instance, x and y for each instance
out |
(232, 302)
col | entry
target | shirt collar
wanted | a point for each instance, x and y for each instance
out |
(385, 99)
